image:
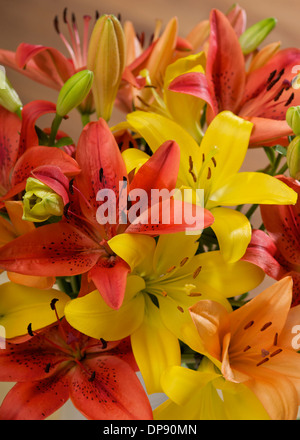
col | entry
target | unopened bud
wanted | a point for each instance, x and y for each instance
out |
(293, 158)
(106, 58)
(40, 202)
(293, 119)
(9, 98)
(74, 91)
(255, 35)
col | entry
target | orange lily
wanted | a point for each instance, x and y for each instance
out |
(261, 96)
(256, 345)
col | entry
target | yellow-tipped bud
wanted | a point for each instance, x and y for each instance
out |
(293, 119)
(106, 58)
(74, 91)
(9, 98)
(255, 35)
(293, 158)
(40, 202)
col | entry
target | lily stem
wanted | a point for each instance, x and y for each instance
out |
(54, 128)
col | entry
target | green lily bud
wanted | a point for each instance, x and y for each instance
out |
(293, 119)
(106, 58)
(293, 158)
(9, 98)
(255, 35)
(40, 202)
(74, 91)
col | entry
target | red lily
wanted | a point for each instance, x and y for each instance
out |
(20, 152)
(78, 243)
(261, 96)
(47, 65)
(277, 252)
(60, 363)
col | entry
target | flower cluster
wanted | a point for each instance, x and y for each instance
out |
(133, 248)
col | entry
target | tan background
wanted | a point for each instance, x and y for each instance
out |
(31, 21)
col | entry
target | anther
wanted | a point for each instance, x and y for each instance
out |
(171, 269)
(262, 362)
(290, 99)
(197, 271)
(208, 173)
(55, 22)
(272, 83)
(66, 209)
(275, 339)
(195, 294)
(182, 262)
(276, 352)
(29, 330)
(101, 174)
(104, 343)
(191, 164)
(214, 161)
(250, 323)
(180, 309)
(271, 76)
(279, 94)
(47, 368)
(247, 348)
(53, 302)
(164, 293)
(265, 326)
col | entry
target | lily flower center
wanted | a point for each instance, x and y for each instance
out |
(76, 47)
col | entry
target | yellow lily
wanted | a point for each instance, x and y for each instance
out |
(166, 279)
(254, 346)
(214, 167)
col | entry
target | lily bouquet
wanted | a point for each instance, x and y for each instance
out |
(133, 247)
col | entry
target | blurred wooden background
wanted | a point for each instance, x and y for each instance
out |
(31, 21)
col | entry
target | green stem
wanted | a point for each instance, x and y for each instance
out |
(54, 129)
(251, 211)
(85, 118)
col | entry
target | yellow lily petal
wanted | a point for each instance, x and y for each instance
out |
(229, 136)
(157, 129)
(185, 109)
(181, 383)
(155, 348)
(93, 317)
(175, 250)
(134, 159)
(252, 187)
(21, 305)
(132, 248)
(233, 231)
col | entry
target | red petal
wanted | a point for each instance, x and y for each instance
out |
(269, 132)
(30, 113)
(195, 84)
(237, 17)
(110, 281)
(262, 252)
(101, 162)
(54, 178)
(35, 400)
(115, 393)
(225, 68)
(49, 60)
(10, 125)
(160, 171)
(53, 250)
(283, 224)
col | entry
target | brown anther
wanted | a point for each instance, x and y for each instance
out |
(214, 161)
(92, 378)
(180, 309)
(275, 339)
(53, 302)
(262, 362)
(279, 94)
(271, 76)
(203, 157)
(290, 100)
(29, 330)
(208, 173)
(164, 293)
(195, 294)
(47, 368)
(279, 350)
(250, 323)
(247, 348)
(104, 343)
(182, 262)
(265, 326)
(171, 269)
(191, 169)
(197, 271)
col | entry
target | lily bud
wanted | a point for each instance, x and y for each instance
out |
(106, 58)
(255, 35)
(40, 202)
(9, 98)
(293, 158)
(74, 91)
(293, 119)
